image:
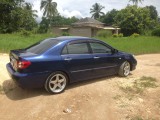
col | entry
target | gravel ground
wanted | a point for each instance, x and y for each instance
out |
(110, 98)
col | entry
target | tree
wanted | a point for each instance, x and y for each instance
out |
(44, 25)
(96, 11)
(60, 20)
(55, 21)
(135, 2)
(14, 16)
(49, 8)
(108, 19)
(153, 12)
(134, 20)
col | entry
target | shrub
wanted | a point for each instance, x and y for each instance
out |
(120, 35)
(156, 32)
(25, 33)
(115, 35)
(104, 33)
(65, 34)
(135, 35)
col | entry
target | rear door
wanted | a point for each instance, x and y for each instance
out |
(78, 60)
(105, 62)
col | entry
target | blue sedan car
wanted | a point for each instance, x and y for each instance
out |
(55, 62)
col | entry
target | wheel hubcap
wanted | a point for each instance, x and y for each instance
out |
(57, 83)
(126, 69)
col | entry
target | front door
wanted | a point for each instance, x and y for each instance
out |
(105, 62)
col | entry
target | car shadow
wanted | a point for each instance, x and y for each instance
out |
(100, 79)
(14, 92)
(91, 81)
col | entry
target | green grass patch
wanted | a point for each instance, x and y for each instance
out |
(135, 45)
(139, 85)
(17, 41)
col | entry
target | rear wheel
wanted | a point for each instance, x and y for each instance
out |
(56, 82)
(124, 69)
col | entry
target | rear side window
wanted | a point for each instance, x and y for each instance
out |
(42, 46)
(99, 48)
(76, 48)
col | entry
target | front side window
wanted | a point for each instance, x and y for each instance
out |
(99, 48)
(78, 48)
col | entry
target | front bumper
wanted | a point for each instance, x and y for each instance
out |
(28, 80)
(134, 64)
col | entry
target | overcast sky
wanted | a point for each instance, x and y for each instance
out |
(81, 8)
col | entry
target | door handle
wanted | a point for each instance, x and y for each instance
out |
(68, 59)
(96, 57)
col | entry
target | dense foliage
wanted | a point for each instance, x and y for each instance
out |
(16, 15)
(108, 19)
(156, 32)
(135, 20)
(55, 21)
(60, 20)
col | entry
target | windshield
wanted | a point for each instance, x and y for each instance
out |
(42, 46)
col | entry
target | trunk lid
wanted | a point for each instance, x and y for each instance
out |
(18, 55)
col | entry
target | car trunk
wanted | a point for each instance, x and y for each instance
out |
(18, 55)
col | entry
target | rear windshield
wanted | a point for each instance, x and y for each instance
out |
(42, 46)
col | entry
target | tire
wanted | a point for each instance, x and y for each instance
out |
(56, 82)
(124, 69)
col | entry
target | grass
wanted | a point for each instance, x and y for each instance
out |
(139, 85)
(137, 118)
(135, 45)
(16, 41)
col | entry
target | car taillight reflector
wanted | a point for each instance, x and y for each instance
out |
(23, 64)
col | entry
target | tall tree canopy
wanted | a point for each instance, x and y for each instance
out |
(108, 19)
(153, 12)
(49, 8)
(135, 2)
(96, 11)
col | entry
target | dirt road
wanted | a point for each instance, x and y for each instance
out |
(110, 98)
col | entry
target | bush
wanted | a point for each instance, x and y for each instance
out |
(25, 33)
(65, 34)
(120, 35)
(135, 35)
(104, 33)
(115, 35)
(156, 32)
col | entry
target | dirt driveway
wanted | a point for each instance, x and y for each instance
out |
(136, 97)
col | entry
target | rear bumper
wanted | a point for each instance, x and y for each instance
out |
(28, 80)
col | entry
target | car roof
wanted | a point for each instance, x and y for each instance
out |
(72, 38)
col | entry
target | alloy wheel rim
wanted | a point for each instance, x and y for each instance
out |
(57, 83)
(126, 69)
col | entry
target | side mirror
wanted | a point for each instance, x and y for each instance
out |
(114, 51)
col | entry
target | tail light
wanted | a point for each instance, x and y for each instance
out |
(23, 64)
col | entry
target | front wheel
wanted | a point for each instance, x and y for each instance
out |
(56, 82)
(124, 69)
